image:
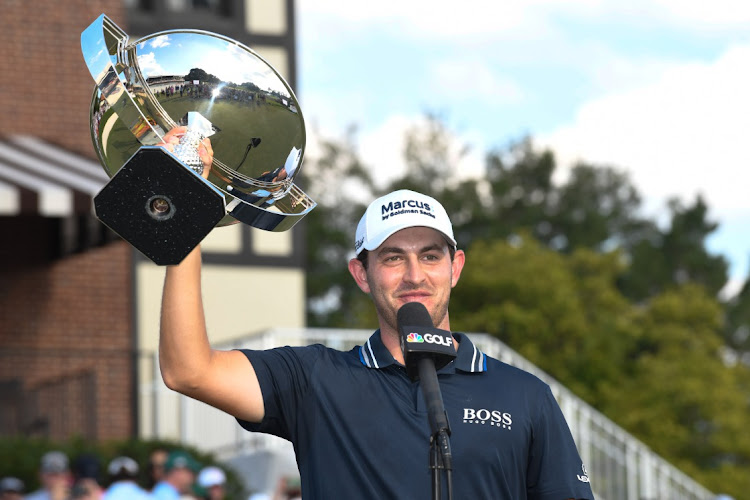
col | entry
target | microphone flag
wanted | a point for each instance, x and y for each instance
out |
(420, 339)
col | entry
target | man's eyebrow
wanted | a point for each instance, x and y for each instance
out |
(399, 250)
(391, 250)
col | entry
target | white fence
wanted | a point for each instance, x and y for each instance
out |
(620, 466)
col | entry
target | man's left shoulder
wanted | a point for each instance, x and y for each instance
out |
(497, 368)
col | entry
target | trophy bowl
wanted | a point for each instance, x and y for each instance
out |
(219, 89)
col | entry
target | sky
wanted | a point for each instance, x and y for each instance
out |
(659, 89)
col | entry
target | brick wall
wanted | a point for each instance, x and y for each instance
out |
(67, 332)
(66, 327)
(45, 87)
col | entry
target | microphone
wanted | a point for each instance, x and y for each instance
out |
(420, 339)
(426, 349)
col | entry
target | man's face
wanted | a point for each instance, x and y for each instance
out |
(412, 265)
(156, 461)
(56, 480)
(216, 492)
(182, 478)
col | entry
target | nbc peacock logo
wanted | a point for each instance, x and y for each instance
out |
(414, 337)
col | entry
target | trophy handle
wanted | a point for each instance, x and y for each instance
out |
(102, 44)
(274, 214)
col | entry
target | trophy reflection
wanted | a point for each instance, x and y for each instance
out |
(217, 93)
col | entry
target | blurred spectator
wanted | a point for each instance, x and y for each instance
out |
(11, 488)
(156, 460)
(213, 481)
(190, 496)
(86, 478)
(123, 473)
(179, 475)
(54, 474)
(289, 488)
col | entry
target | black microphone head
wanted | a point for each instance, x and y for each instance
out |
(419, 338)
(415, 314)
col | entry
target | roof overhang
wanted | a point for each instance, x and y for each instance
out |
(43, 179)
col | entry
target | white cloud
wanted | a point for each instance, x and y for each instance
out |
(160, 41)
(722, 14)
(682, 134)
(382, 148)
(148, 65)
(474, 80)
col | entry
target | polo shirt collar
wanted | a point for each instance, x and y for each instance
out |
(374, 354)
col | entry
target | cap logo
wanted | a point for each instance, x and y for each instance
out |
(405, 207)
(359, 243)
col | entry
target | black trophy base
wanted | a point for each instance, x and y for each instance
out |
(159, 205)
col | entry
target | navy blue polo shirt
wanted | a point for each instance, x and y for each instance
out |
(360, 430)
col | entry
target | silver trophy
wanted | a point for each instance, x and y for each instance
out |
(218, 89)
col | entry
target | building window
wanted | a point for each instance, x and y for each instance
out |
(218, 7)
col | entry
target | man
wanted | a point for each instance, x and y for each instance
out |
(212, 482)
(55, 476)
(357, 422)
(123, 476)
(86, 471)
(11, 488)
(155, 468)
(179, 476)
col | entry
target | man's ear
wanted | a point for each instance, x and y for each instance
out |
(459, 259)
(359, 273)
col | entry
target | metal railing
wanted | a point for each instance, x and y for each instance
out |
(620, 466)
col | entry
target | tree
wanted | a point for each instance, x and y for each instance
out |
(679, 396)
(737, 330)
(656, 369)
(519, 181)
(431, 153)
(201, 75)
(341, 184)
(595, 208)
(563, 313)
(676, 255)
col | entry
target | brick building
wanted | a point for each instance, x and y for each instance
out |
(66, 349)
(78, 306)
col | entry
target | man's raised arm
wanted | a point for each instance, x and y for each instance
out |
(224, 379)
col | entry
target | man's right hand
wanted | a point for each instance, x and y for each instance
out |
(205, 150)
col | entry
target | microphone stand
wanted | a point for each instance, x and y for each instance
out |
(440, 448)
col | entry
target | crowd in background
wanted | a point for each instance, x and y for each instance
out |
(172, 475)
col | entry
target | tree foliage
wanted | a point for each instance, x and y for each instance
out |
(737, 329)
(676, 255)
(342, 186)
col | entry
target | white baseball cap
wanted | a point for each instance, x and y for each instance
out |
(399, 210)
(211, 476)
(123, 465)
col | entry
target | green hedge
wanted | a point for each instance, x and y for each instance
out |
(20, 457)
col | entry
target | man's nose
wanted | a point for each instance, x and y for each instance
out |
(414, 272)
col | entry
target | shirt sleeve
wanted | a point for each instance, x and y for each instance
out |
(555, 470)
(284, 377)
